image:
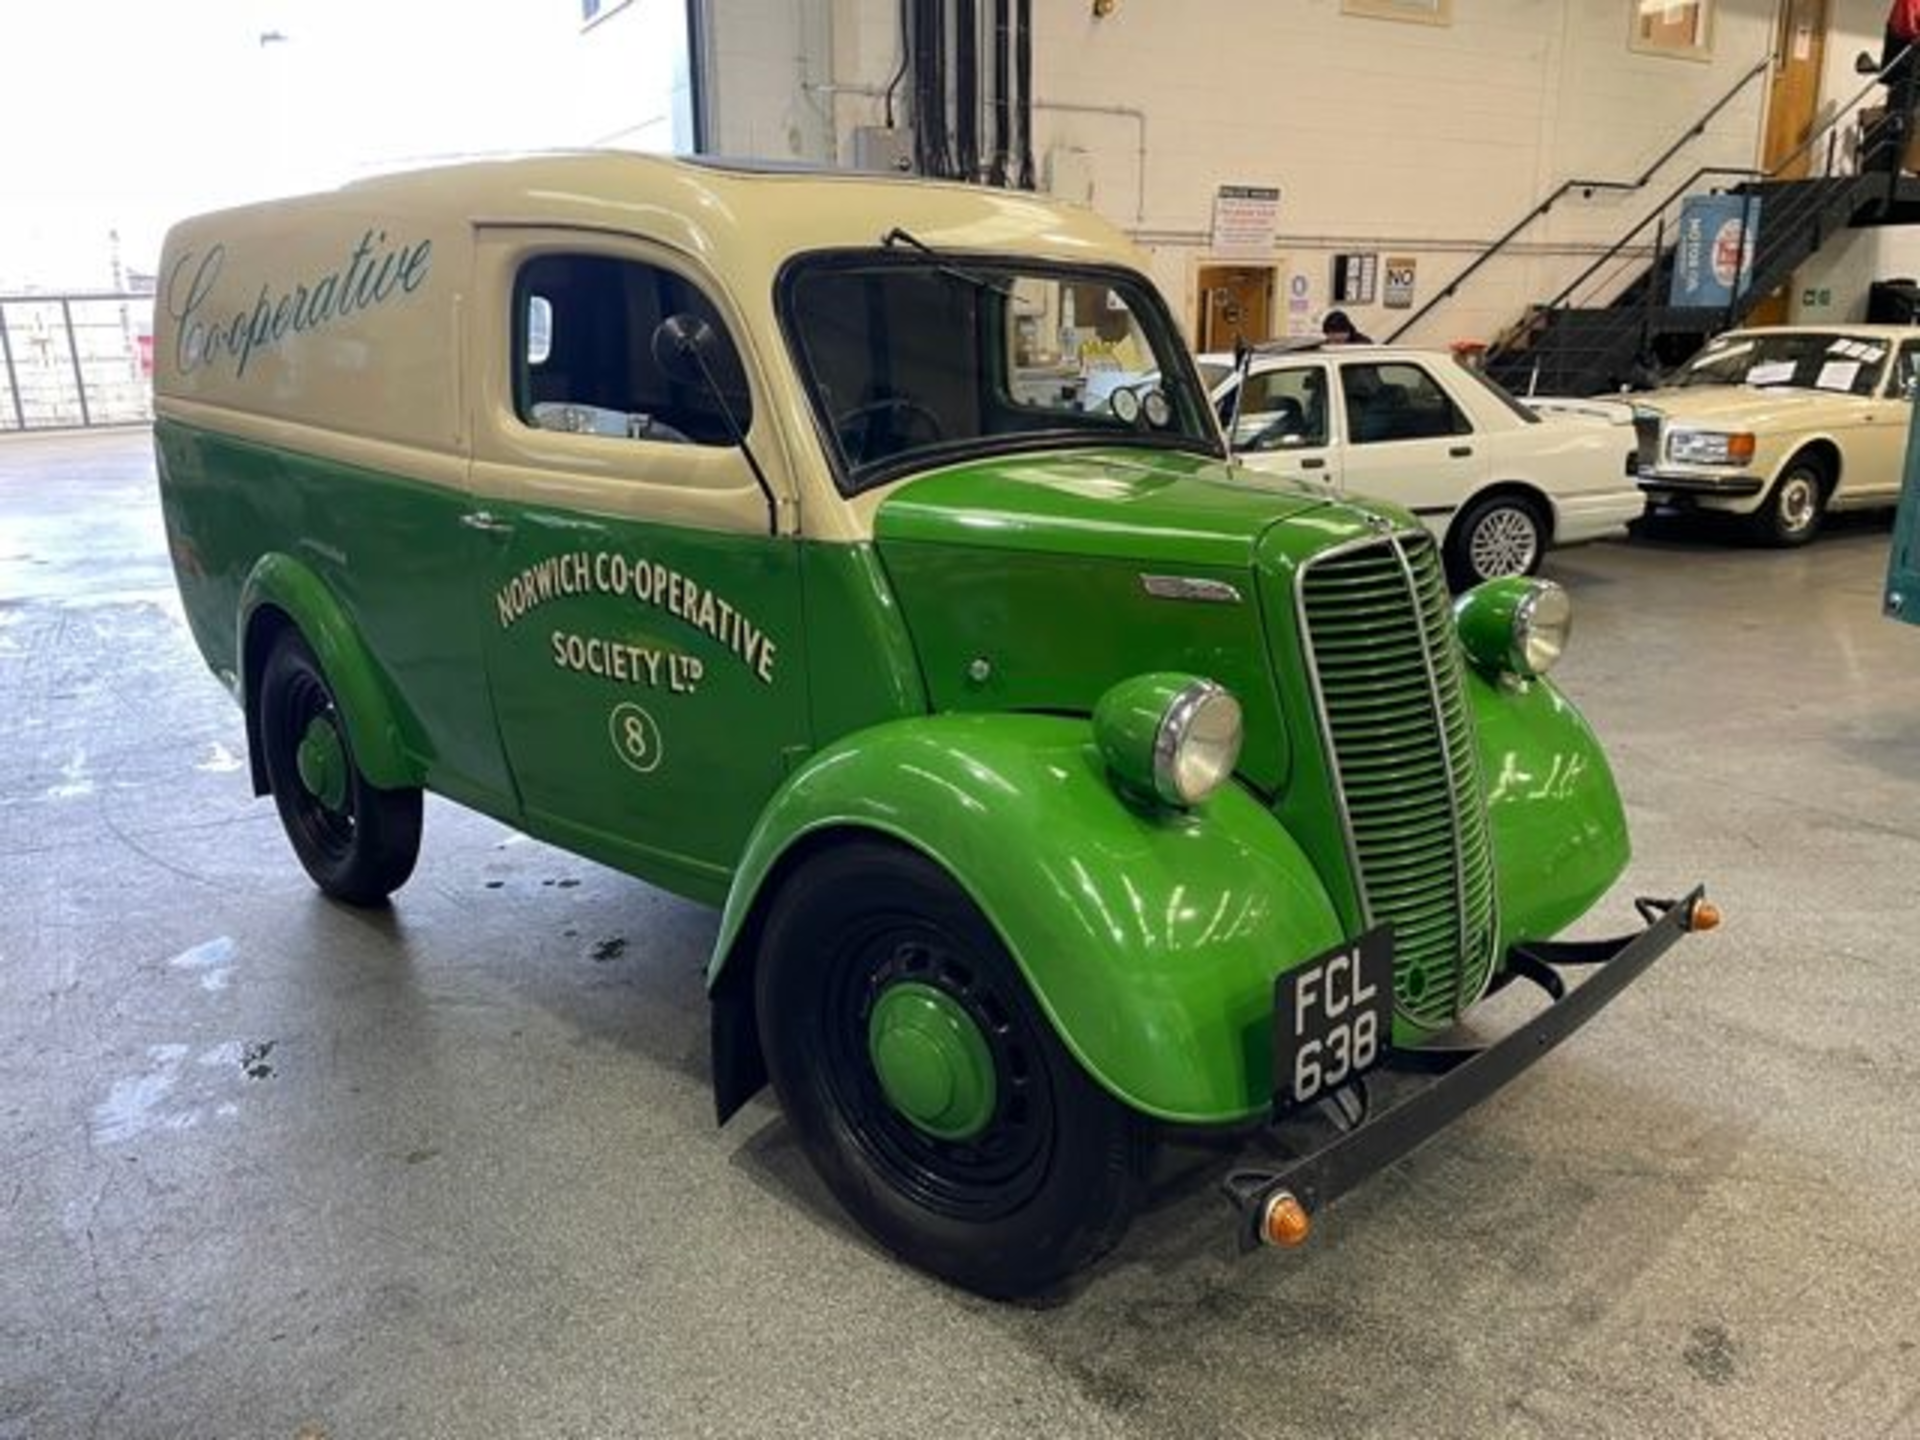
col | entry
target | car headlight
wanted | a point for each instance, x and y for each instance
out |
(1169, 737)
(1710, 447)
(1515, 626)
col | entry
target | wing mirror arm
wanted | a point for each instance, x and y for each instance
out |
(1242, 367)
(682, 347)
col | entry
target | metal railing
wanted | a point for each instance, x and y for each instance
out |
(1693, 132)
(75, 360)
(1783, 227)
(1661, 214)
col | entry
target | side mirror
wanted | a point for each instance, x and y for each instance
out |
(1865, 64)
(683, 347)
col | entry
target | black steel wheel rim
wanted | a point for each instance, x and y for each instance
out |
(986, 1175)
(320, 830)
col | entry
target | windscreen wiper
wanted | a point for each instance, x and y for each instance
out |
(897, 237)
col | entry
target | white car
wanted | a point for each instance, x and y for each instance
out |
(1496, 483)
(1783, 424)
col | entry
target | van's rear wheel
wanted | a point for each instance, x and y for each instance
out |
(357, 841)
(924, 1083)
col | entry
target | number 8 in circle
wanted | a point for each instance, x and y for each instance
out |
(636, 739)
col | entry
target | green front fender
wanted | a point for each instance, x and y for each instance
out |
(278, 582)
(1559, 832)
(1150, 938)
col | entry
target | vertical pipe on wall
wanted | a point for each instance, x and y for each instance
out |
(1002, 78)
(966, 87)
(700, 75)
(1023, 73)
(929, 96)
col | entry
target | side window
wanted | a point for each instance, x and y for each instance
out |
(584, 357)
(1283, 410)
(1397, 402)
(1906, 371)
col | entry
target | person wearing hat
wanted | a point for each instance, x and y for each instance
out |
(1337, 329)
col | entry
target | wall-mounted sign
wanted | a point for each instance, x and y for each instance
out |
(1356, 278)
(1713, 259)
(1244, 217)
(1401, 272)
(1300, 306)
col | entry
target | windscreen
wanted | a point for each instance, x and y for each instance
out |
(914, 361)
(1812, 360)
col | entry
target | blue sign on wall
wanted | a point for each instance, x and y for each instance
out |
(1713, 261)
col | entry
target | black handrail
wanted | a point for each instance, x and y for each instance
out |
(1658, 212)
(1696, 129)
(1744, 172)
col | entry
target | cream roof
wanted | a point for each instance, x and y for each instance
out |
(740, 219)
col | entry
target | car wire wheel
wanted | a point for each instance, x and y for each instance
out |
(1505, 542)
(1495, 537)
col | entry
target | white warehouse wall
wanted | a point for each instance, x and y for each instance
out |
(1418, 140)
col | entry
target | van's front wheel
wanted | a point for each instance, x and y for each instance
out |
(924, 1083)
(357, 842)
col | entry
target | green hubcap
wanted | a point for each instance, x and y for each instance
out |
(932, 1060)
(322, 763)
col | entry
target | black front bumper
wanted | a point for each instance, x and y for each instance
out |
(1734, 486)
(1465, 1077)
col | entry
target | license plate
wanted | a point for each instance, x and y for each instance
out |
(1332, 1018)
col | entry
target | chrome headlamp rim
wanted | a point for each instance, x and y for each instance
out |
(1527, 621)
(1174, 731)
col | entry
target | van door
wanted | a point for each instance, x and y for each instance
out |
(1406, 440)
(643, 621)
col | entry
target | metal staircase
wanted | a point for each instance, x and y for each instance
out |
(1567, 348)
(1612, 325)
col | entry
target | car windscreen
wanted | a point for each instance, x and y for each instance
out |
(1810, 360)
(1499, 392)
(918, 360)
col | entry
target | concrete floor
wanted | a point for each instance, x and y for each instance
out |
(272, 1168)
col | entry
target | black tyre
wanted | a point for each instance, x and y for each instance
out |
(1795, 507)
(925, 1085)
(1496, 535)
(358, 842)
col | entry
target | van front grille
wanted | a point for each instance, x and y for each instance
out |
(1378, 629)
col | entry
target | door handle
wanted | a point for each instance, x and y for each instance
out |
(487, 522)
(1460, 452)
(1311, 462)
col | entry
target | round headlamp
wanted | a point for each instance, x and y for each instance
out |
(1168, 737)
(1515, 626)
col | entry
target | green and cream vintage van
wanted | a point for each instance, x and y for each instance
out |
(862, 557)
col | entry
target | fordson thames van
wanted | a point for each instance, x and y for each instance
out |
(862, 557)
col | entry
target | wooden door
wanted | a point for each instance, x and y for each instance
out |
(1793, 101)
(1793, 105)
(1236, 303)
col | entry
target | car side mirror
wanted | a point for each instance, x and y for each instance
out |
(683, 347)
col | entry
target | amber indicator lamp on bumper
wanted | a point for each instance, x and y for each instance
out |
(1284, 1222)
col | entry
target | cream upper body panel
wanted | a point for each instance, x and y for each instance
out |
(1749, 408)
(341, 321)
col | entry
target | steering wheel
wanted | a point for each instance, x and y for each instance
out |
(857, 427)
